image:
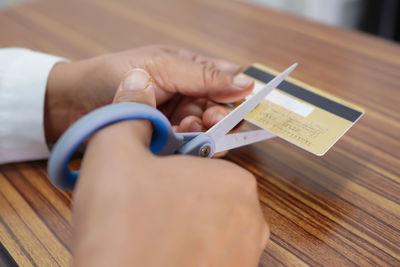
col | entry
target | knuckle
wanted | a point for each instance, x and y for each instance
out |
(211, 76)
(131, 96)
(266, 233)
(241, 180)
(248, 183)
(262, 235)
(158, 67)
(201, 60)
(152, 48)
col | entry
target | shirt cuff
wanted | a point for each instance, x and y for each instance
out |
(23, 81)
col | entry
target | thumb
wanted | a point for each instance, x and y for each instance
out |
(136, 86)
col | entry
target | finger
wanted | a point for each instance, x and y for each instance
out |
(175, 128)
(213, 115)
(190, 124)
(169, 107)
(188, 106)
(195, 124)
(190, 78)
(218, 63)
(136, 86)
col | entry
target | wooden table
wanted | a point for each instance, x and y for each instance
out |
(342, 209)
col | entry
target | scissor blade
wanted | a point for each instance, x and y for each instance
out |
(220, 129)
(235, 140)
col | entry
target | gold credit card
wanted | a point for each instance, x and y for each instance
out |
(301, 114)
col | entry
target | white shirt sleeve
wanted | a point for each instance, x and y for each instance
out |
(23, 80)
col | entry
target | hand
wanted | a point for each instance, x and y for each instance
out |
(184, 83)
(132, 208)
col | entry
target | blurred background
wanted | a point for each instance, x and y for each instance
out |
(379, 17)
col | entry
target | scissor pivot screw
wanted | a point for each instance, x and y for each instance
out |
(205, 151)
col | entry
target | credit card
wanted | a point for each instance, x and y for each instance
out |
(301, 114)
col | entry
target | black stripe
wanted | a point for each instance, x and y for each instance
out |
(5, 258)
(310, 97)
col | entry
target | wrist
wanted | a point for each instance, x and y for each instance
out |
(57, 100)
(66, 100)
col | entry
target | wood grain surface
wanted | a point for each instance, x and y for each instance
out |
(342, 209)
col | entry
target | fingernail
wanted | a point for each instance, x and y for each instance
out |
(242, 81)
(136, 79)
(196, 127)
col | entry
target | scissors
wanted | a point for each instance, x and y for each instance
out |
(164, 141)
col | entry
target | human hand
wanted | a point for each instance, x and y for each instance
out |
(132, 208)
(186, 87)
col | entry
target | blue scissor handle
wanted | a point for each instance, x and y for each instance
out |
(163, 141)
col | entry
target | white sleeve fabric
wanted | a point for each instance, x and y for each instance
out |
(23, 80)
